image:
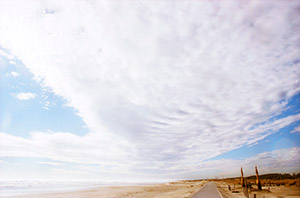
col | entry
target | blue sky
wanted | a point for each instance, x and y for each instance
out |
(281, 139)
(44, 112)
(142, 90)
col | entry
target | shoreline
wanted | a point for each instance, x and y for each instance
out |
(13, 188)
(177, 189)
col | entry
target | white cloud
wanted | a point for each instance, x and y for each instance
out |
(12, 62)
(5, 54)
(51, 163)
(25, 95)
(282, 160)
(296, 129)
(66, 147)
(172, 82)
(2, 162)
(13, 74)
(92, 160)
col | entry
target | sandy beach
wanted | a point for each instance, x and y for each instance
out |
(182, 189)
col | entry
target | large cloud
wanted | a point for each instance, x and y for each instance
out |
(167, 82)
(92, 160)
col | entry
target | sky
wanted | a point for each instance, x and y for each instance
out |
(148, 90)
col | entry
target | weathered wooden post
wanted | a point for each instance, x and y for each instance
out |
(243, 184)
(242, 178)
(257, 179)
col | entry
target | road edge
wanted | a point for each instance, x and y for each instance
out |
(192, 195)
(219, 191)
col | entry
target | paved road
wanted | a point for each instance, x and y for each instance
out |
(209, 190)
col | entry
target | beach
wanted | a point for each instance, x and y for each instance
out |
(181, 189)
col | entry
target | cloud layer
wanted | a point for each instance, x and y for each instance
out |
(92, 161)
(267, 162)
(161, 84)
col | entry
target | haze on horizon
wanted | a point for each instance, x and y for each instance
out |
(144, 90)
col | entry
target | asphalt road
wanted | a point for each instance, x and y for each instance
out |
(209, 190)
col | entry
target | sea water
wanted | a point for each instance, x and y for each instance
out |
(24, 187)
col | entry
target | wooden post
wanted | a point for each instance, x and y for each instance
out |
(242, 178)
(257, 179)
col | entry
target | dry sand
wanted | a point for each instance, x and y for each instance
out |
(183, 189)
(275, 191)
